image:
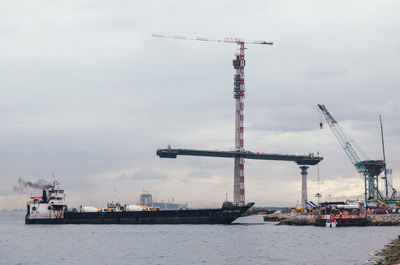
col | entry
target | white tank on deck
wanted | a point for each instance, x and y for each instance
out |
(348, 206)
(90, 209)
(134, 208)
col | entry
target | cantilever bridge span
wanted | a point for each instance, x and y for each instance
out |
(302, 160)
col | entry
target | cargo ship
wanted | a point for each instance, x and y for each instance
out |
(51, 208)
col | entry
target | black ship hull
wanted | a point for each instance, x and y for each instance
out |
(224, 215)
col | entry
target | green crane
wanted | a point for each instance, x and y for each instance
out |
(369, 169)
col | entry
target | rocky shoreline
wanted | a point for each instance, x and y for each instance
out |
(299, 219)
(389, 255)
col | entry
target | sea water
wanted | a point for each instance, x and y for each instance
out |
(249, 240)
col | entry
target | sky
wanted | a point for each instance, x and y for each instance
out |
(87, 96)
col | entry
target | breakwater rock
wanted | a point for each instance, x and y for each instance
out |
(384, 219)
(276, 217)
(298, 219)
(390, 254)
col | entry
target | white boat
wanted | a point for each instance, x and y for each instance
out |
(330, 223)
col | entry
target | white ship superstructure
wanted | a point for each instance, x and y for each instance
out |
(51, 205)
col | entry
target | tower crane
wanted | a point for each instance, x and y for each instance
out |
(369, 169)
(239, 91)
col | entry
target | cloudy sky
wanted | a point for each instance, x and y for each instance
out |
(87, 95)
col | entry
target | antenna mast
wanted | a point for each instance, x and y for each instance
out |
(384, 157)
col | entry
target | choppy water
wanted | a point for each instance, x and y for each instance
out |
(249, 241)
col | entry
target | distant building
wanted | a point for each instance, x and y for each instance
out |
(147, 200)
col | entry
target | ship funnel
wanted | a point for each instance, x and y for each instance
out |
(44, 197)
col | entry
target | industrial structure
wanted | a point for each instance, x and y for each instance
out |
(301, 160)
(239, 154)
(384, 159)
(238, 94)
(369, 169)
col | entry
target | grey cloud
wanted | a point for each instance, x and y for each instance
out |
(144, 175)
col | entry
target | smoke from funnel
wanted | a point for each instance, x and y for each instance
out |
(23, 185)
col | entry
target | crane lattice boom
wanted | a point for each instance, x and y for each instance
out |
(229, 40)
(350, 151)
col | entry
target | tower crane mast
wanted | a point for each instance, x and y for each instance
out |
(370, 190)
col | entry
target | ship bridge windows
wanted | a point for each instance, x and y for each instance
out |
(56, 198)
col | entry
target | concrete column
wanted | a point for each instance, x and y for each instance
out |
(304, 174)
(239, 89)
(236, 180)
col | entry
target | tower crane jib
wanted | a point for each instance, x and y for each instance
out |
(228, 40)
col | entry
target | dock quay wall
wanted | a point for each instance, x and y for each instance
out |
(300, 219)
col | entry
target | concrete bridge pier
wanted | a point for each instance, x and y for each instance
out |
(304, 174)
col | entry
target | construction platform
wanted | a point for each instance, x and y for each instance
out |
(298, 159)
(374, 167)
